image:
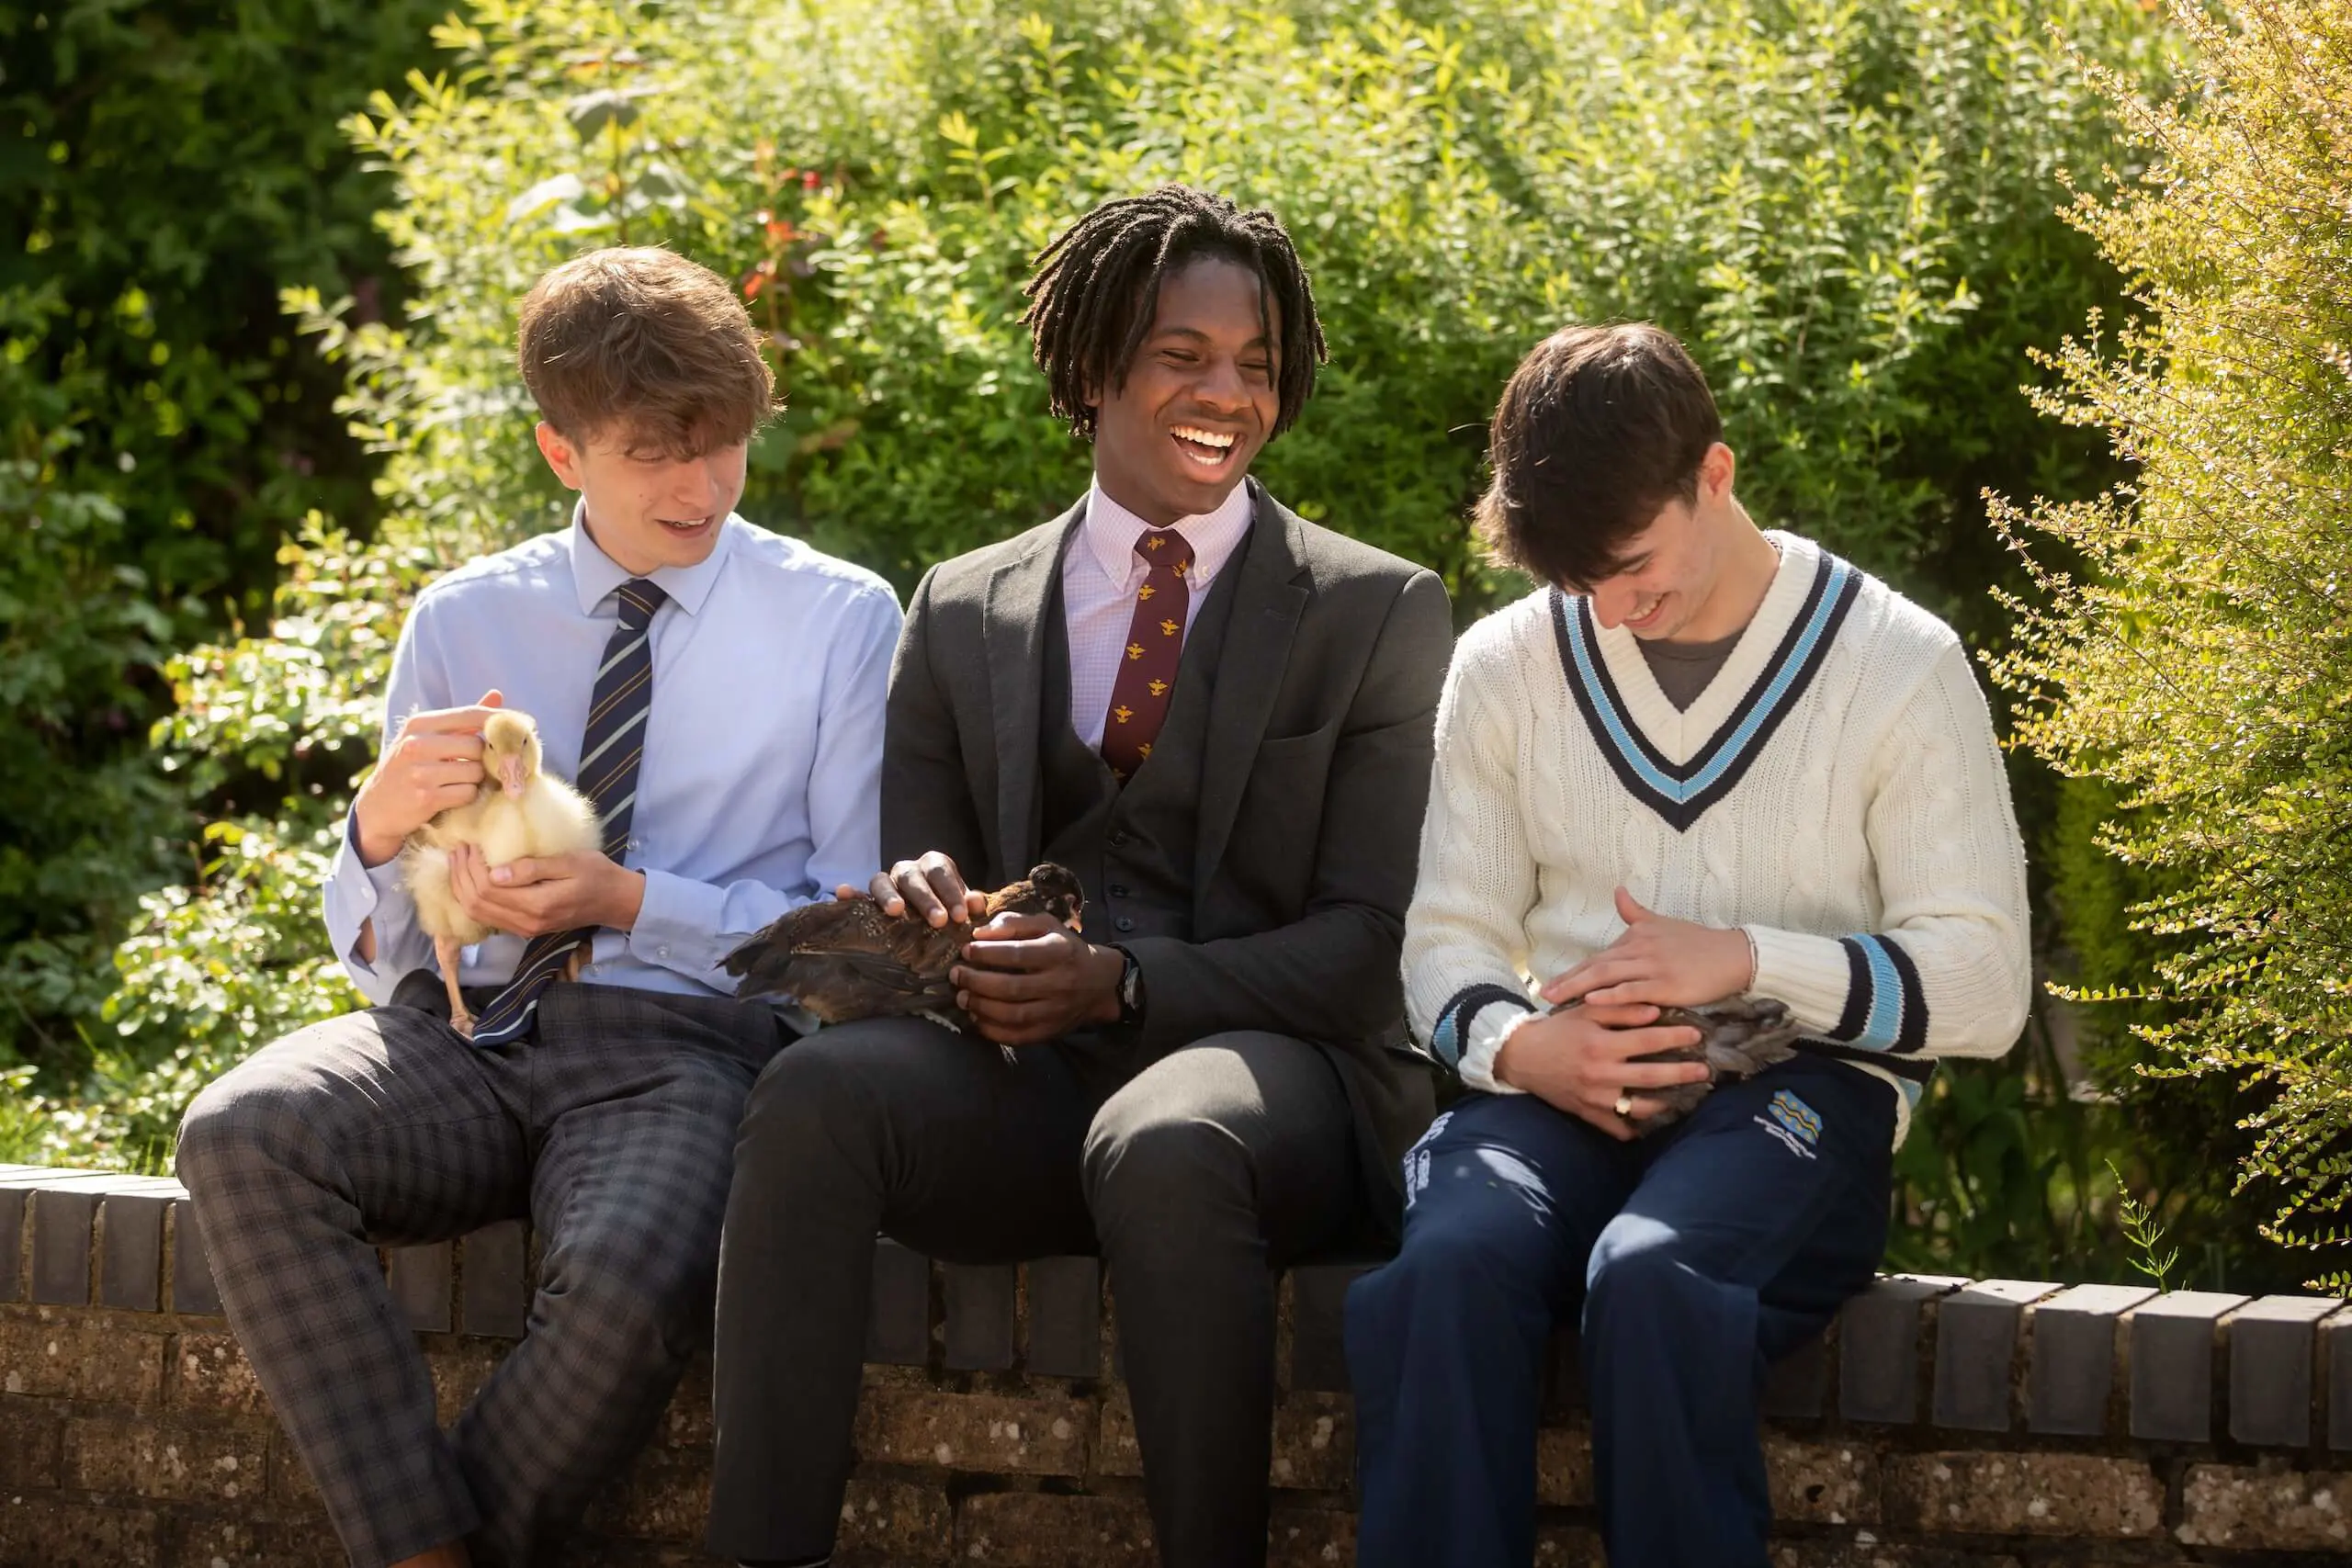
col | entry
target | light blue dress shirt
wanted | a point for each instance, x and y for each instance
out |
(761, 783)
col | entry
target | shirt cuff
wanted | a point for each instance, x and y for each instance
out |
(1488, 1033)
(354, 891)
(1810, 973)
(678, 926)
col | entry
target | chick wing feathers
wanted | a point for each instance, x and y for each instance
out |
(847, 960)
(1738, 1038)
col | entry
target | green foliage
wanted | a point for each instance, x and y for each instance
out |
(2145, 1234)
(165, 170)
(1847, 206)
(2198, 660)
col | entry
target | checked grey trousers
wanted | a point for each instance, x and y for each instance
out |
(611, 1126)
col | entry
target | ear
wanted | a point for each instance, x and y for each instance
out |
(561, 454)
(1716, 470)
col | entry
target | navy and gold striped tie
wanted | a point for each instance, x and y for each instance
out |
(608, 758)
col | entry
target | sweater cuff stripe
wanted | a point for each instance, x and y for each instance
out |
(1451, 1033)
(1886, 1009)
(1914, 1032)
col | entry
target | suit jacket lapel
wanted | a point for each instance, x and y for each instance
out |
(1267, 604)
(1013, 629)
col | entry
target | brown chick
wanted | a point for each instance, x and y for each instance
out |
(1738, 1038)
(519, 811)
(847, 960)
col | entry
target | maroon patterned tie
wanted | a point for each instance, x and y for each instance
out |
(1155, 645)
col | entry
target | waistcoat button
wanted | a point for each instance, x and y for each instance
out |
(1124, 922)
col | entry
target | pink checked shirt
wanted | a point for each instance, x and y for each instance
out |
(1100, 576)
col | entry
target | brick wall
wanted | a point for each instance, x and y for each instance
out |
(1942, 1424)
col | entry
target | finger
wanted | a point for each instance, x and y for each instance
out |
(916, 896)
(1589, 977)
(1658, 1075)
(1630, 992)
(1556, 989)
(441, 797)
(1617, 1016)
(492, 698)
(1630, 911)
(947, 885)
(518, 873)
(998, 985)
(440, 721)
(1032, 956)
(1017, 928)
(1621, 1045)
(1643, 1108)
(456, 773)
(885, 892)
(1002, 1012)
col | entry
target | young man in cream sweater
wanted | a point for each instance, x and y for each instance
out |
(1710, 762)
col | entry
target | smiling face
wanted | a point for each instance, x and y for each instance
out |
(1198, 403)
(647, 508)
(1673, 580)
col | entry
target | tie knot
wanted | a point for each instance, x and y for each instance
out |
(640, 598)
(1164, 548)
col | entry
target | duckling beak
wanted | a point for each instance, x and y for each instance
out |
(510, 773)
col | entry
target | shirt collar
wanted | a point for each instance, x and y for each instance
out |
(596, 574)
(1111, 531)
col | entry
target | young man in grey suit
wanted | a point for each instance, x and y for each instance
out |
(1219, 715)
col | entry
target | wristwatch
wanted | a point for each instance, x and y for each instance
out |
(1130, 988)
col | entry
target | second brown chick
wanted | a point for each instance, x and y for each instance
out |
(846, 960)
(1738, 1038)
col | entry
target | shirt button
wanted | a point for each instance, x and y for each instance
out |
(636, 844)
(661, 952)
(1124, 922)
(1116, 890)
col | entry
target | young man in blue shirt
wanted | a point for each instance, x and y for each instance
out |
(599, 1093)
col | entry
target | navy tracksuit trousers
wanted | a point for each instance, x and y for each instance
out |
(1695, 1256)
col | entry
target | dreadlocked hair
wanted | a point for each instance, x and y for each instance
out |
(1093, 292)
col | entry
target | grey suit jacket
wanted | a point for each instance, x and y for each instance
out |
(1314, 782)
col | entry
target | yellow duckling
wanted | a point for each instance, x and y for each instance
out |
(520, 812)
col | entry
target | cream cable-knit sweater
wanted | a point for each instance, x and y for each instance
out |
(1836, 790)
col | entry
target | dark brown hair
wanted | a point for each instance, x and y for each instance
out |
(643, 342)
(1599, 428)
(1096, 289)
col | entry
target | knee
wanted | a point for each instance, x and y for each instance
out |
(241, 1119)
(1636, 1263)
(808, 1088)
(1156, 1181)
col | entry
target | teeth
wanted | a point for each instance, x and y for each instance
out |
(1205, 437)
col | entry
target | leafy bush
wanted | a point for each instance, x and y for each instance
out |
(2200, 661)
(1846, 208)
(165, 170)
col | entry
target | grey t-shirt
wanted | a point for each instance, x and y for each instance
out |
(1683, 669)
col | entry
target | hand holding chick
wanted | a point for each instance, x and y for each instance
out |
(851, 959)
(518, 818)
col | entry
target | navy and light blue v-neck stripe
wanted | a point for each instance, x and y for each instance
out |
(1682, 792)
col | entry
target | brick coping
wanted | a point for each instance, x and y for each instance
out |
(1941, 1421)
